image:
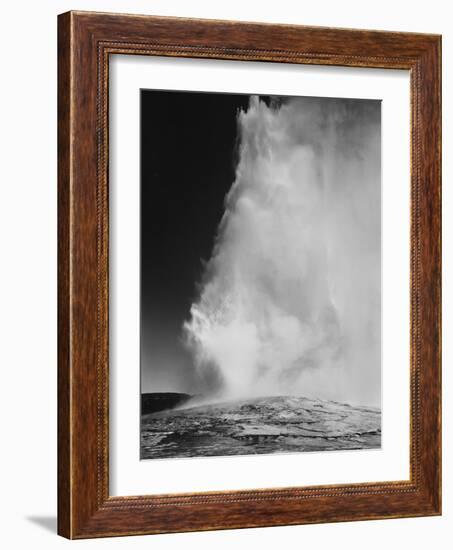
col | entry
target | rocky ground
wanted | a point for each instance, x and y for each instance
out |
(259, 426)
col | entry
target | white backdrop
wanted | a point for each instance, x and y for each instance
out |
(28, 270)
(128, 475)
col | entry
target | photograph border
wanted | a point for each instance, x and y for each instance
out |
(85, 42)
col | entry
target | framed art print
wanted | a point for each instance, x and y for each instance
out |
(249, 275)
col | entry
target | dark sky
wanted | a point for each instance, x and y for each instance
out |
(188, 148)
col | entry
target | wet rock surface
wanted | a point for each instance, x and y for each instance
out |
(259, 426)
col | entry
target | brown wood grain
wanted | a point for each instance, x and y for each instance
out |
(64, 368)
(85, 42)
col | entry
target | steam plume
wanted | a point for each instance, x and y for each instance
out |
(289, 302)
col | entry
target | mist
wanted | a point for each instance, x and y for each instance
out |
(290, 299)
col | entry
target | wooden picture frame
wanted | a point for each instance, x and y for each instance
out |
(85, 42)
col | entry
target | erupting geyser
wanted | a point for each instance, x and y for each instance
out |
(289, 302)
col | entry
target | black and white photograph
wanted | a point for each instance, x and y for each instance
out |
(260, 274)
